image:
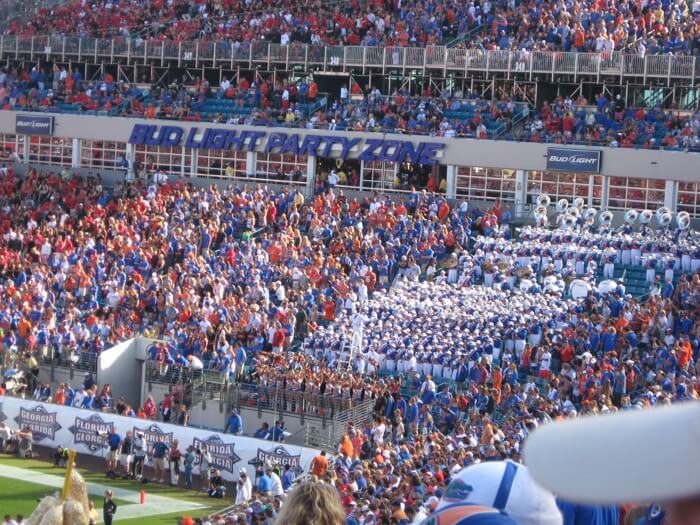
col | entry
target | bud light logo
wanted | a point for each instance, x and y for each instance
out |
(573, 160)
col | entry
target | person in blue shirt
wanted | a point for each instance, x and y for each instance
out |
(579, 514)
(263, 432)
(264, 484)
(114, 442)
(234, 423)
(160, 449)
(287, 478)
(278, 432)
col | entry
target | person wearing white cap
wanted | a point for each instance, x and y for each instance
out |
(506, 486)
(633, 456)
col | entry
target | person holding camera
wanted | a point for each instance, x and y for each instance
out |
(60, 457)
(217, 489)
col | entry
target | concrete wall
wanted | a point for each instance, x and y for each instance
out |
(458, 152)
(210, 415)
(120, 367)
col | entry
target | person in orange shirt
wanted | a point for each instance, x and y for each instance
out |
(346, 446)
(60, 397)
(684, 352)
(319, 465)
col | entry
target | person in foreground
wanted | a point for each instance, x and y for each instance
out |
(648, 456)
(312, 503)
(109, 508)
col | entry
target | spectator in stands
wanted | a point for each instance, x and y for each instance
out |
(319, 465)
(183, 415)
(263, 432)
(263, 484)
(234, 423)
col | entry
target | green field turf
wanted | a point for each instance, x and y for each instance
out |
(20, 496)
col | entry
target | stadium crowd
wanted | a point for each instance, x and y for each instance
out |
(604, 121)
(230, 278)
(656, 27)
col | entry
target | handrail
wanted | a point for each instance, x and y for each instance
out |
(463, 37)
(225, 55)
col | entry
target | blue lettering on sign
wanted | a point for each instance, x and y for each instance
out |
(371, 146)
(309, 145)
(285, 143)
(276, 140)
(191, 142)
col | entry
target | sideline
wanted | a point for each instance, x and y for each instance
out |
(154, 506)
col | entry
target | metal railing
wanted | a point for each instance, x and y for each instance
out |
(79, 360)
(203, 53)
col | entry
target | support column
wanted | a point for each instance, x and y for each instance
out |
(310, 177)
(131, 160)
(591, 190)
(27, 143)
(75, 154)
(451, 193)
(520, 197)
(604, 192)
(362, 174)
(194, 163)
(251, 164)
(671, 195)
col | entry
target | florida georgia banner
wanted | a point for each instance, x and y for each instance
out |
(85, 431)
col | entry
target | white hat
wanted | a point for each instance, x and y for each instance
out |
(507, 486)
(647, 455)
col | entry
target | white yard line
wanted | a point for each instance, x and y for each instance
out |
(153, 506)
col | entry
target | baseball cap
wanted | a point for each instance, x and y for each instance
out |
(637, 455)
(506, 486)
(468, 514)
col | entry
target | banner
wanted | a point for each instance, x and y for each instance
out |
(573, 160)
(31, 125)
(313, 145)
(85, 431)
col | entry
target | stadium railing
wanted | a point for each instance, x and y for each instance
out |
(224, 54)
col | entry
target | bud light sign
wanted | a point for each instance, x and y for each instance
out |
(574, 160)
(31, 125)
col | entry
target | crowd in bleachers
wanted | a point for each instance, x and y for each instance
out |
(225, 276)
(604, 121)
(655, 27)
